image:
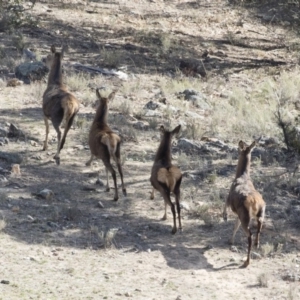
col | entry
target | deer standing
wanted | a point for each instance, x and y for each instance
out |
(58, 103)
(104, 143)
(165, 177)
(244, 200)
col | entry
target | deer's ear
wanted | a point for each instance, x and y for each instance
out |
(53, 49)
(252, 145)
(112, 96)
(241, 145)
(162, 129)
(176, 130)
(98, 94)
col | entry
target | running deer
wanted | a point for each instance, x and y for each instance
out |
(105, 144)
(58, 103)
(165, 177)
(244, 200)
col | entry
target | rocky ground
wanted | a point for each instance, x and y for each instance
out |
(215, 67)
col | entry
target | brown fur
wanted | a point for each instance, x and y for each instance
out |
(165, 177)
(58, 103)
(244, 200)
(104, 143)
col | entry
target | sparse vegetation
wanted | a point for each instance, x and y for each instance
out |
(263, 280)
(267, 249)
(102, 249)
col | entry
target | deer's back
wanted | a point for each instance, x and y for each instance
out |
(244, 195)
(57, 98)
(166, 174)
(100, 137)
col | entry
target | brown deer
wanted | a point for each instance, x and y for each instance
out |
(104, 143)
(165, 177)
(244, 200)
(58, 103)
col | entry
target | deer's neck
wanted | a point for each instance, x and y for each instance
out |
(101, 114)
(55, 75)
(243, 167)
(164, 151)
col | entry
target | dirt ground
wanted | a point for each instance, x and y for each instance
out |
(70, 246)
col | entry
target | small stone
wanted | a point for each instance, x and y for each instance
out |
(255, 255)
(15, 169)
(185, 206)
(100, 204)
(234, 249)
(151, 105)
(4, 281)
(33, 143)
(79, 147)
(30, 218)
(46, 194)
(127, 294)
(15, 209)
(99, 182)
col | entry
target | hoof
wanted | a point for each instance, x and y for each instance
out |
(151, 197)
(57, 160)
(108, 189)
(88, 163)
(174, 230)
(124, 192)
(245, 264)
(44, 148)
(116, 198)
(164, 218)
(225, 217)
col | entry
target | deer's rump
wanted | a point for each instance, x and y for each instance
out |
(169, 176)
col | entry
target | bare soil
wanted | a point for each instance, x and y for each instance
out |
(69, 246)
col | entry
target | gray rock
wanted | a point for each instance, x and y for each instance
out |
(12, 158)
(3, 141)
(141, 125)
(189, 145)
(14, 131)
(29, 54)
(151, 105)
(3, 179)
(46, 194)
(194, 115)
(198, 99)
(3, 131)
(31, 71)
(152, 113)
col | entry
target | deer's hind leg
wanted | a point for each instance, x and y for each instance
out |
(245, 220)
(45, 147)
(88, 163)
(177, 199)
(67, 128)
(260, 219)
(235, 229)
(118, 161)
(110, 168)
(57, 117)
(165, 192)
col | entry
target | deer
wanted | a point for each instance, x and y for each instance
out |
(245, 201)
(58, 103)
(105, 144)
(165, 177)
